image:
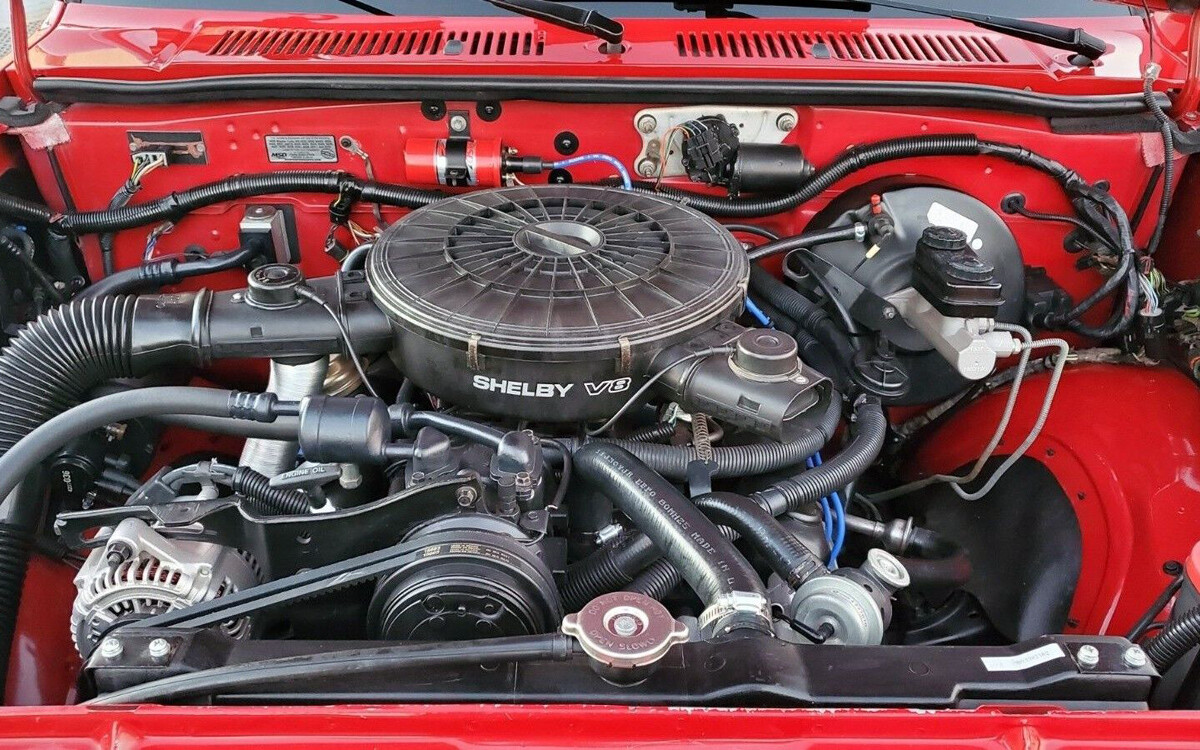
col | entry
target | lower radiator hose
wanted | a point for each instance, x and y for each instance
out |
(607, 569)
(657, 580)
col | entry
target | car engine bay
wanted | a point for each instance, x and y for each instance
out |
(495, 400)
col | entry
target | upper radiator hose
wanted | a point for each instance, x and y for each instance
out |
(730, 588)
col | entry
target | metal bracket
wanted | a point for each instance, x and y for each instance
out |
(271, 222)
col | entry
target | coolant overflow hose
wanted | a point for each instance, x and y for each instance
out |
(730, 588)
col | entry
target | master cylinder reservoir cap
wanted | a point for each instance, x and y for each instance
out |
(625, 634)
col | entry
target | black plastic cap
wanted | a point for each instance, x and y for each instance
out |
(947, 239)
(955, 280)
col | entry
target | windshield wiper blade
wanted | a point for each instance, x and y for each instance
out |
(1076, 40)
(583, 20)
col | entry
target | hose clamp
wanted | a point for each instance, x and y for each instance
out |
(736, 610)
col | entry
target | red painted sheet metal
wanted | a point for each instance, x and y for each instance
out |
(1124, 444)
(555, 727)
(131, 44)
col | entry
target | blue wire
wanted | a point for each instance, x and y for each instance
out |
(826, 511)
(759, 315)
(613, 161)
(836, 536)
(840, 537)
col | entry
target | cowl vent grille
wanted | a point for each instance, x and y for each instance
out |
(315, 43)
(890, 47)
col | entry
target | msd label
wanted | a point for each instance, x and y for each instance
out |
(303, 149)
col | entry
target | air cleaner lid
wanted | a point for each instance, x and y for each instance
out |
(555, 269)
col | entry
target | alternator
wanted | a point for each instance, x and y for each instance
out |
(139, 573)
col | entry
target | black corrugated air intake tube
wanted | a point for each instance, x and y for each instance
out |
(57, 361)
(46, 370)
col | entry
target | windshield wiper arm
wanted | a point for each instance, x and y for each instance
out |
(583, 20)
(365, 7)
(1051, 35)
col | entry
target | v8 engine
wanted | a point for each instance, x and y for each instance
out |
(616, 441)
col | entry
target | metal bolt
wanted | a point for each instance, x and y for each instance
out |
(786, 122)
(647, 167)
(1088, 656)
(458, 123)
(158, 648)
(608, 533)
(117, 553)
(647, 123)
(111, 648)
(1134, 657)
(466, 496)
(889, 313)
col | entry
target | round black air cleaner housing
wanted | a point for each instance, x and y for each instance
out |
(549, 302)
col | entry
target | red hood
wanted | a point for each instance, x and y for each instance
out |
(1178, 6)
